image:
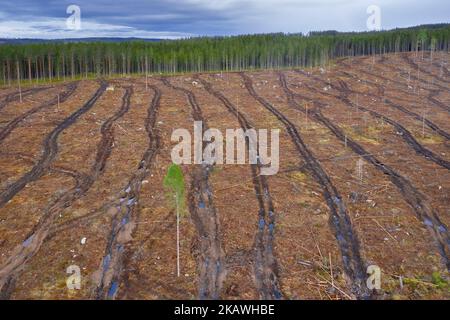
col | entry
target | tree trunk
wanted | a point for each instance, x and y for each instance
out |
(30, 77)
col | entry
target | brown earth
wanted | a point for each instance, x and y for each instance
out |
(363, 180)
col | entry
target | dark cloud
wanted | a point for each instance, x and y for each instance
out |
(210, 17)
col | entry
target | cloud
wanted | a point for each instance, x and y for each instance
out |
(55, 28)
(175, 18)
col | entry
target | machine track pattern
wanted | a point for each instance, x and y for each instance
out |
(111, 269)
(211, 262)
(15, 96)
(70, 89)
(340, 221)
(418, 202)
(431, 94)
(265, 264)
(50, 150)
(25, 251)
(381, 93)
(404, 133)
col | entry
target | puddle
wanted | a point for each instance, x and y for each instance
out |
(106, 262)
(262, 223)
(27, 242)
(113, 289)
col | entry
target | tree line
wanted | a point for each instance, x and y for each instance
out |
(61, 61)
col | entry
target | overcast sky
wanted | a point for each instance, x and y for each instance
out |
(181, 18)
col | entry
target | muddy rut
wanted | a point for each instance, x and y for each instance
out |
(211, 260)
(340, 221)
(418, 201)
(404, 133)
(50, 149)
(383, 99)
(70, 89)
(15, 96)
(431, 92)
(416, 66)
(265, 264)
(109, 276)
(25, 251)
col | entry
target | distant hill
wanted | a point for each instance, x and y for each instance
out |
(422, 26)
(116, 39)
(74, 40)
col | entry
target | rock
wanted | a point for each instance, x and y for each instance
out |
(83, 240)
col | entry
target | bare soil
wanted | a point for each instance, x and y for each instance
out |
(363, 180)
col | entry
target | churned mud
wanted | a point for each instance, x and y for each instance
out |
(363, 181)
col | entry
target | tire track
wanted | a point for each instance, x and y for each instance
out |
(441, 67)
(431, 97)
(399, 71)
(380, 88)
(265, 267)
(57, 169)
(397, 106)
(416, 66)
(432, 92)
(340, 221)
(25, 251)
(70, 89)
(110, 273)
(418, 201)
(16, 96)
(416, 116)
(50, 149)
(211, 261)
(404, 133)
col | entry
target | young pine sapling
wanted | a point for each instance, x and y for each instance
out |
(174, 184)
